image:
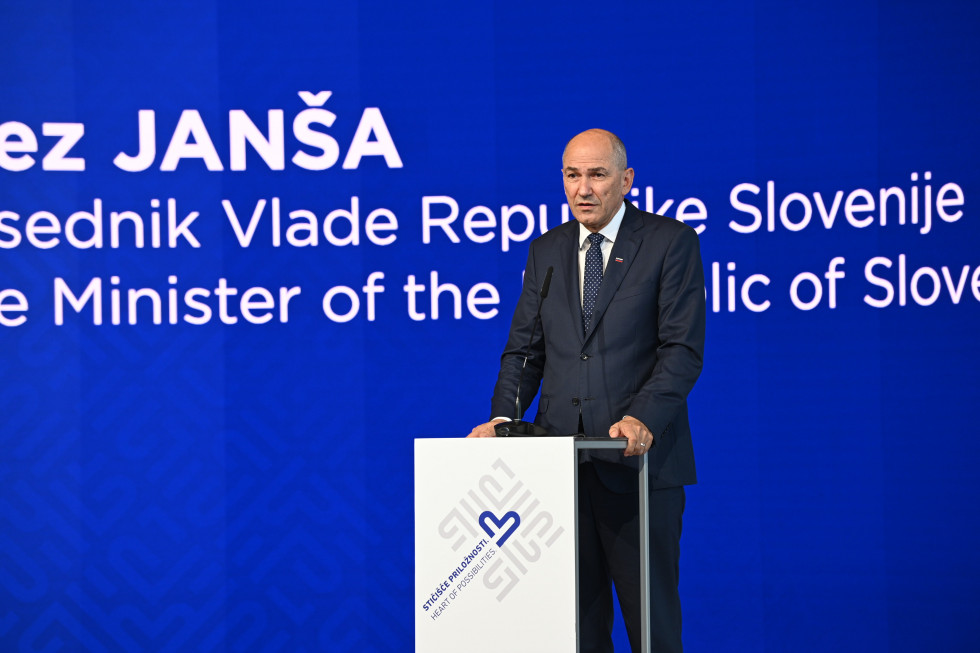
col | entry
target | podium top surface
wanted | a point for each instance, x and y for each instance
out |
(581, 441)
(586, 442)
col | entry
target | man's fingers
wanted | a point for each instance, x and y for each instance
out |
(482, 431)
(635, 449)
(637, 436)
(626, 430)
(622, 430)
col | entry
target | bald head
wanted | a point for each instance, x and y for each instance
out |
(618, 150)
(596, 177)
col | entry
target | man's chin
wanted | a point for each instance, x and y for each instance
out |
(591, 220)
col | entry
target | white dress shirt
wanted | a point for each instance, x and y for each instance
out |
(609, 234)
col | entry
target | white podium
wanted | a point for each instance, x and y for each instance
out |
(495, 544)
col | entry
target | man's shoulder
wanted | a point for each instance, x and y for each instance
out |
(633, 220)
(555, 234)
(643, 219)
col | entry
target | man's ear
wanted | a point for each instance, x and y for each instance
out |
(627, 181)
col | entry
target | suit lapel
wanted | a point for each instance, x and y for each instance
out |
(569, 259)
(620, 259)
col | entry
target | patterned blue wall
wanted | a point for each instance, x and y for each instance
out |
(248, 486)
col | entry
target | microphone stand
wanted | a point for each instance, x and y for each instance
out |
(517, 426)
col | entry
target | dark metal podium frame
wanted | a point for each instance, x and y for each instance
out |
(644, 490)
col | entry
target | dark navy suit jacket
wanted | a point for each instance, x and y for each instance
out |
(641, 356)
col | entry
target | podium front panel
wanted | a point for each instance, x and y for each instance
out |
(495, 545)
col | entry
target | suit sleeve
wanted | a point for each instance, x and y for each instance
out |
(680, 330)
(512, 360)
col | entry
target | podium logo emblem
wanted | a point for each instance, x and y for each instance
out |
(503, 526)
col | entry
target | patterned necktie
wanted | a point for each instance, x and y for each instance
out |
(593, 279)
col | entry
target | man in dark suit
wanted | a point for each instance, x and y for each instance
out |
(619, 348)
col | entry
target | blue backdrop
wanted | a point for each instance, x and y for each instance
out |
(235, 473)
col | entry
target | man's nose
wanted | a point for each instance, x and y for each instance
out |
(585, 187)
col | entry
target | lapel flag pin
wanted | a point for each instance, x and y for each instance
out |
(619, 260)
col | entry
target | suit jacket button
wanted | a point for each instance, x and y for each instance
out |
(584, 357)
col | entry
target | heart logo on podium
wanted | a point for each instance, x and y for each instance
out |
(494, 525)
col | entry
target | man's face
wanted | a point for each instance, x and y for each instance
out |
(595, 181)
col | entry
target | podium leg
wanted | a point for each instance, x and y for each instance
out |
(644, 556)
(578, 625)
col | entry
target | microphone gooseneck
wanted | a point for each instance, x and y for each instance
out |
(517, 426)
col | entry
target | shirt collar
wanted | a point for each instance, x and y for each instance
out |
(609, 232)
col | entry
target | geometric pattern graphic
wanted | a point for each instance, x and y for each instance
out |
(134, 537)
(146, 530)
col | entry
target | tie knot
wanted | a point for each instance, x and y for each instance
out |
(596, 239)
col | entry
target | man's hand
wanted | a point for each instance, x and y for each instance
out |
(639, 436)
(485, 430)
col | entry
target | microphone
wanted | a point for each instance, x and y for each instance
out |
(545, 286)
(517, 426)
